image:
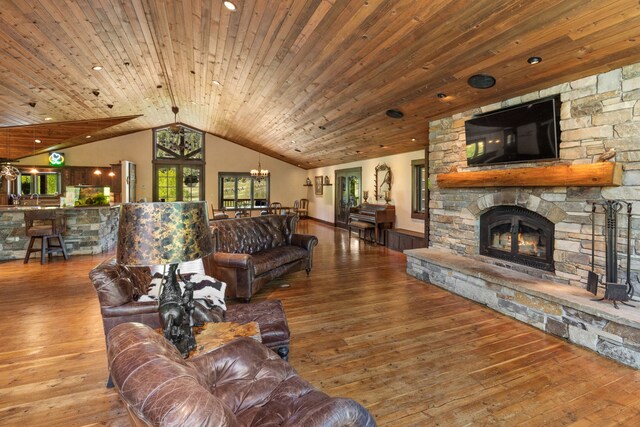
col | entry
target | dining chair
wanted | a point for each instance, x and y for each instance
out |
(220, 214)
(275, 208)
(303, 209)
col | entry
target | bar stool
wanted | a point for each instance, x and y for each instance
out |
(45, 224)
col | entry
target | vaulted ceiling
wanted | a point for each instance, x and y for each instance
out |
(306, 81)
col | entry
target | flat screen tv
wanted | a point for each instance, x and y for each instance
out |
(523, 133)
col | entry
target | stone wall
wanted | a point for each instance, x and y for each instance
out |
(598, 113)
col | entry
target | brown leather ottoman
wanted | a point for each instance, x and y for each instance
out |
(270, 318)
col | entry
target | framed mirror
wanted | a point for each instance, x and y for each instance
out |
(382, 180)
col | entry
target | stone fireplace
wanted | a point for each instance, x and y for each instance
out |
(517, 234)
(523, 247)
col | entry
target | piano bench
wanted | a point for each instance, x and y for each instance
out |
(365, 227)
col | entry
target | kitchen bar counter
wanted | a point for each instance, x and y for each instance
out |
(90, 230)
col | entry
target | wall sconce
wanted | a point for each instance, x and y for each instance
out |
(97, 172)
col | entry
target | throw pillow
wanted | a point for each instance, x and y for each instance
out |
(206, 289)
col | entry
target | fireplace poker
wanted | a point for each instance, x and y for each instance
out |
(630, 289)
(592, 277)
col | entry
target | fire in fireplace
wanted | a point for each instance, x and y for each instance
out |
(519, 235)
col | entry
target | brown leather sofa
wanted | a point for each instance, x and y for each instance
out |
(250, 252)
(241, 383)
(119, 288)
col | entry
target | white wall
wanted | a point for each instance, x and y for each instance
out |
(220, 156)
(322, 207)
(225, 156)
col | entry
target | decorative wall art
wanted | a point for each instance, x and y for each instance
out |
(318, 185)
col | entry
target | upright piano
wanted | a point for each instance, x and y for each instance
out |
(382, 216)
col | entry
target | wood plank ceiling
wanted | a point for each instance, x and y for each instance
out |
(307, 81)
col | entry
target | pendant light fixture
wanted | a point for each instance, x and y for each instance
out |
(259, 174)
(179, 138)
(33, 169)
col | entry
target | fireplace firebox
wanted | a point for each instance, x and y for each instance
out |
(518, 235)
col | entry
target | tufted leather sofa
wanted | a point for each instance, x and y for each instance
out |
(119, 287)
(239, 384)
(250, 252)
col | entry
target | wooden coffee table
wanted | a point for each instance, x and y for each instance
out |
(216, 334)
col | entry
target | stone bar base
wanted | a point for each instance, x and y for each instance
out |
(90, 230)
(561, 310)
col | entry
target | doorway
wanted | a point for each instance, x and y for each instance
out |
(348, 192)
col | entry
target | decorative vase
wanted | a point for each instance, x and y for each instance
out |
(365, 195)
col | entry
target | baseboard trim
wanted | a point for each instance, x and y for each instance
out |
(322, 221)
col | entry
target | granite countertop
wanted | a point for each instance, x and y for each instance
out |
(27, 208)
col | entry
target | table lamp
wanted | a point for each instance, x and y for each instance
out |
(167, 233)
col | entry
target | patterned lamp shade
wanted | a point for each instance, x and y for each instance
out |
(163, 233)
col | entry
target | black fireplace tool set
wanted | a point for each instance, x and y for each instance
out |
(614, 291)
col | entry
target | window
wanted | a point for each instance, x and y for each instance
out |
(41, 183)
(419, 186)
(239, 190)
(178, 165)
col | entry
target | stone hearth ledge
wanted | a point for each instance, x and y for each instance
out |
(561, 310)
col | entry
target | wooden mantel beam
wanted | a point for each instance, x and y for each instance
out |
(603, 174)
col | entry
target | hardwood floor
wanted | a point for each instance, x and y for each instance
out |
(412, 353)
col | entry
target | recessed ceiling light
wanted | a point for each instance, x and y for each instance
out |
(229, 5)
(441, 95)
(38, 141)
(534, 60)
(217, 83)
(88, 136)
(293, 141)
(413, 139)
(97, 67)
(481, 81)
(48, 118)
